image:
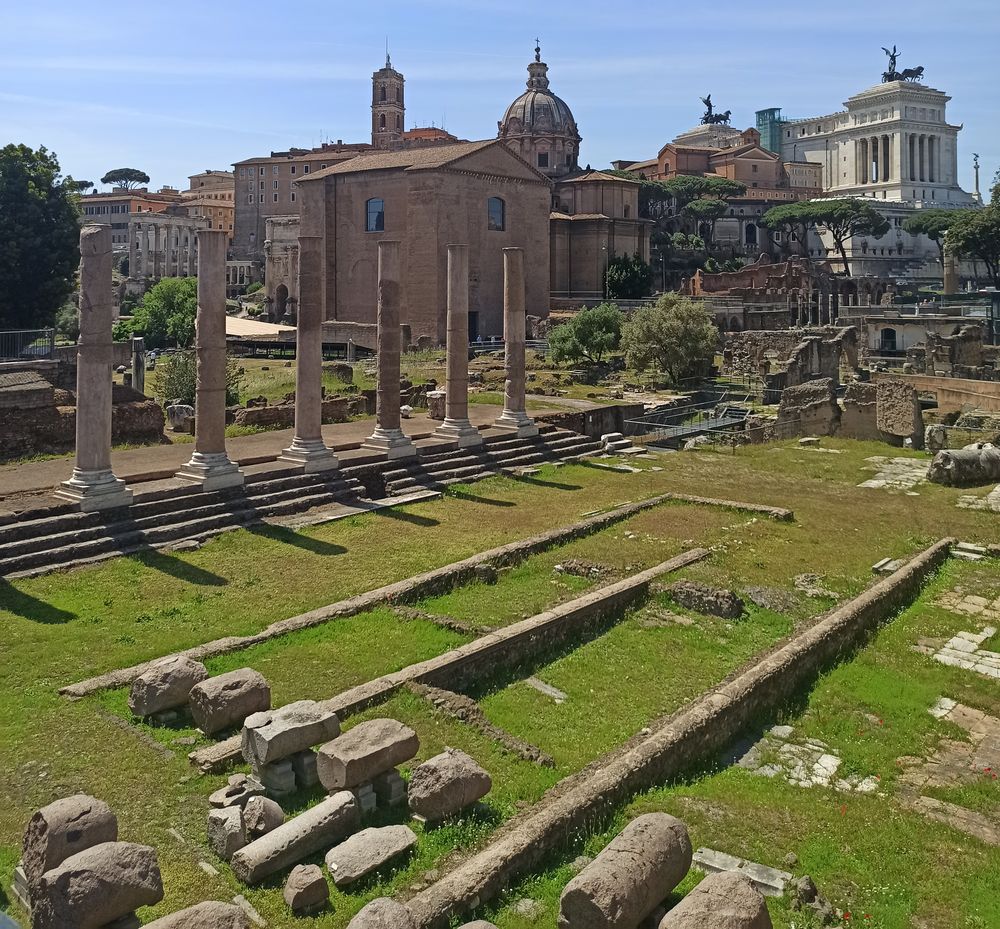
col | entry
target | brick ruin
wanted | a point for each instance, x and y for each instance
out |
(960, 354)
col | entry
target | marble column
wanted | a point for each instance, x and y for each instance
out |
(388, 437)
(133, 250)
(157, 256)
(210, 466)
(514, 416)
(307, 448)
(950, 272)
(456, 425)
(93, 484)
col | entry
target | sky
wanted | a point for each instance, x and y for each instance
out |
(175, 88)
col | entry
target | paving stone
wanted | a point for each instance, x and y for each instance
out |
(769, 881)
(546, 689)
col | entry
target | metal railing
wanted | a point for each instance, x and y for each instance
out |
(673, 426)
(27, 344)
(484, 348)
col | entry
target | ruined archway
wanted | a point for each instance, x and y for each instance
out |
(280, 301)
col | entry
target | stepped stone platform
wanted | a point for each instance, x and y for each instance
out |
(165, 514)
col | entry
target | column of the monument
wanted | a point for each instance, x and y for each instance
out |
(885, 158)
(157, 258)
(456, 425)
(210, 466)
(307, 448)
(93, 484)
(133, 251)
(388, 437)
(514, 415)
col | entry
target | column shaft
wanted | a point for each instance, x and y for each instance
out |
(210, 465)
(307, 448)
(93, 484)
(388, 436)
(514, 415)
(456, 423)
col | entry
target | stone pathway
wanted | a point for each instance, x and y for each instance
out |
(806, 763)
(971, 605)
(990, 502)
(956, 764)
(896, 473)
(963, 651)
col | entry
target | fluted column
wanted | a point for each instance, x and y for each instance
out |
(514, 415)
(93, 484)
(307, 448)
(210, 466)
(388, 437)
(456, 425)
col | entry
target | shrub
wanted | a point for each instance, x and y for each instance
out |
(177, 378)
(254, 287)
(676, 336)
(628, 278)
(590, 334)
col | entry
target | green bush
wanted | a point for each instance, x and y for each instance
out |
(589, 335)
(68, 323)
(254, 287)
(177, 378)
(165, 315)
(676, 337)
(628, 278)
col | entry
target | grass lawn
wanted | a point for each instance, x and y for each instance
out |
(65, 627)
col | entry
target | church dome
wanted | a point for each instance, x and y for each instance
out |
(540, 126)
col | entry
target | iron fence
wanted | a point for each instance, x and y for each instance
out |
(27, 344)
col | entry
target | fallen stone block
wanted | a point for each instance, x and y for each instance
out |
(632, 875)
(447, 783)
(165, 686)
(96, 886)
(306, 890)
(237, 791)
(367, 851)
(704, 599)
(272, 736)
(226, 700)
(226, 831)
(364, 752)
(328, 822)
(261, 815)
(208, 915)
(383, 913)
(64, 828)
(769, 881)
(721, 901)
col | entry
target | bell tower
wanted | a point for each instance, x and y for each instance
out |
(388, 110)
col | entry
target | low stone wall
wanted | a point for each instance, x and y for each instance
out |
(282, 415)
(597, 422)
(488, 655)
(700, 730)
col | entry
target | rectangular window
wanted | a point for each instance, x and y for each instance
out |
(375, 220)
(755, 169)
(293, 196)
(275, 185)
(274, 169)
(543, 159)
(243, 172)
(261, 198)
(249, 198)
(292, 169)
(495, 219)
(261, 185)
(275, 197)
(261, 170)
(305, 169)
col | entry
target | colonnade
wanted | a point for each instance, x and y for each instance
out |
(94, 485)
(911, 157)
(923, 157)
(161, 249)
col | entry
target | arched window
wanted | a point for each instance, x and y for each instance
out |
(751, 234)
(375, 220)
(399, 121)
(628, 210)
(496, 211)
(381, 121)
(381, 94)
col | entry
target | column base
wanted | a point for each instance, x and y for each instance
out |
(460, 431)
(94, 490)
(211, 472)
(393, 443)
(518, 422)
(311, 455)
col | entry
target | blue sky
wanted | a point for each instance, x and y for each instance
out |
(177, 87)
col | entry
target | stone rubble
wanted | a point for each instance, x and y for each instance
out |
(367, 851)
(726, 900)
(209, 915)
(64, 828)
(226, 700)
(165, 686)
(306, 891)
(226, 831)
(383, 913)
(277, 734)
(362, 753)
(446, 784)
(237, 792)
(711, 601)
(261, 815)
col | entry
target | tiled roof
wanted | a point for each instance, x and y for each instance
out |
(578, 216)
(595, 175)
(426, 157)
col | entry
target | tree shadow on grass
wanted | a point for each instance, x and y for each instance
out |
(290, 537)
(408, 517)
(555, 485)
(38, 611)
(182, 570)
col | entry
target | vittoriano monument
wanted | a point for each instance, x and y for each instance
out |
(907, 74)
(711, 118)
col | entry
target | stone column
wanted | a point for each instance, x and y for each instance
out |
(93, 484)
(388, 437)
(514, 416)
(157, 257)
(307, 448)
(133, 251)
(456, 425)
(210, 466)
(139, 363)
(950, 272)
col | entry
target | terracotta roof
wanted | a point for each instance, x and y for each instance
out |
(426, 157)
(595, 175)
(578, 216)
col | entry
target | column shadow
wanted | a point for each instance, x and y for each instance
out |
(555, 485)
(31, 608)
(475, 498)
(182, 570)
(290, 537)
(408, 517)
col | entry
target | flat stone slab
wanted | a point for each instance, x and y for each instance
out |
(546, 689)
(964, 650)
(769, 881)
(367, 851)
(896, 473)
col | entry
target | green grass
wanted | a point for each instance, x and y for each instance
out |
(66, 627)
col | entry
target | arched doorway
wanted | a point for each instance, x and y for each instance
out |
(280, 302)
(887, 341)
(750, 234)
